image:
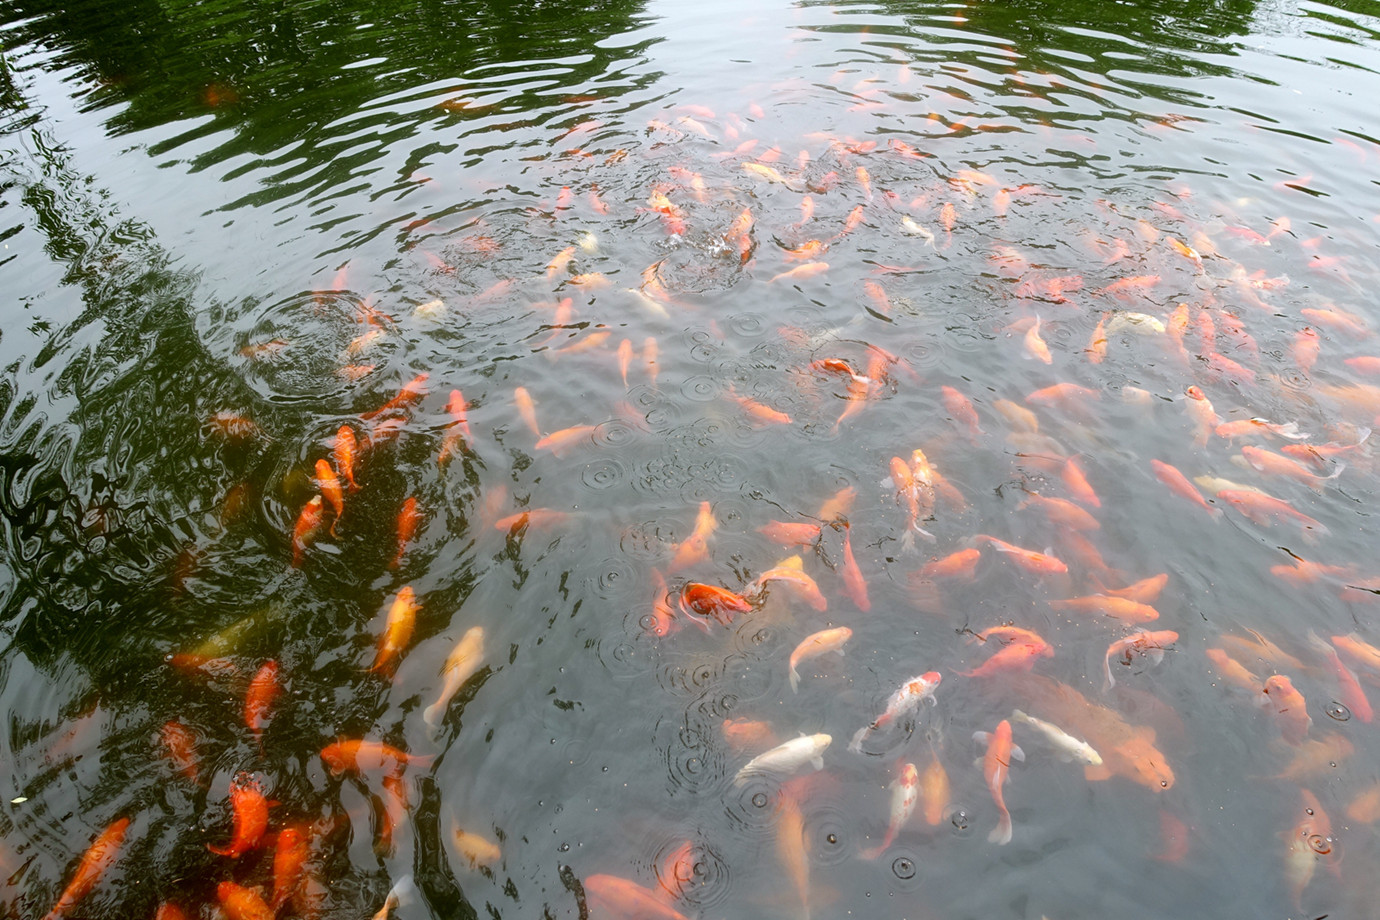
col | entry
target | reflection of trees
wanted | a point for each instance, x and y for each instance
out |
(282, 67)
(1123, 40)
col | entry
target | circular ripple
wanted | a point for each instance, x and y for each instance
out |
(693, 769)
(696, 874)
(617, 580)
(1319, 844)
(832, 836)
(699, 490)
(700, 388)
(747, 325)
(603, 474)
(688, 677)
(1337, 711)
(323, 331)
(924, 354)
(905, 868)
(614, 433)
(731, 513)
(752, 807)
(1295, 379)
(642, 541)
(620, 657)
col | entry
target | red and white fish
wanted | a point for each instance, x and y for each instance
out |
(912, 693)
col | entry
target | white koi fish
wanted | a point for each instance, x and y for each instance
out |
(787, 758)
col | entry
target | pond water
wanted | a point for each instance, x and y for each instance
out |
(415, 375)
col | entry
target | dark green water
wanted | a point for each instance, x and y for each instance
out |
(280, 214)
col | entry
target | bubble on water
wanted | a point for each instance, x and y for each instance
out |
(960, 820)
(1336, 710)
(564, 848)
(759, 800)
(1319, 844)
(903, 867)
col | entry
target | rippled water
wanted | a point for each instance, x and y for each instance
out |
(230, 230)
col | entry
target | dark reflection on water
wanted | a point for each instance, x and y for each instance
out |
(492, 201)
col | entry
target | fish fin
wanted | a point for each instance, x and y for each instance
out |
(982, 738)
(1065, 757)
(1017, 753)
(840, 652)
(1156, 655)
(817, 763)
(795, 681)
(1019, 716)
(432, 716)
(856, 744)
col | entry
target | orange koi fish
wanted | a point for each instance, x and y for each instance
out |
(1140, 642)
(1303, 572)
(308, 524)
(361, 756)
(1179, 484)
(1352, 696)
(1123, 286)
(791, 572)
(1018, 656)
(760, 412)
(241, 903)
(411, 393)
(1205, 419)
(1061, 512)
(532, 517)
(625, 354)
(959, 565)
(331, 490)
(526, 409)
(344, 451)
(180, 742)
(409, 518)
(934, 788)
(1031, 561)
(1274, 464)
(289, 858)
(257, 702)
(1035, 346)
(397, 630)
(1290, 707)
(1062, 394)
(1309, 841)
(661, 622)
(812, 646)
(1233, 671)
(1076, 481)
(838, 506)
(919, 498)
(1360, 652)
(996, 765)
(853, 581)
(459, 426)
(1144, 591)
(250, 817)
(745, 734)
(561, 442)
(877, 295)
(961, 408)
(695, 548)
(808, 270)
(1264, 509)
(98, 858)
(649, 358)
(790, 533)
(1258, 427)
(1118, 608)
(711, 600)
(611, 896)
(463, 662)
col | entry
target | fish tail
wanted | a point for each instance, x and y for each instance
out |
(432, 716)
(1107, 668)
(1001, 834)
(795, 680)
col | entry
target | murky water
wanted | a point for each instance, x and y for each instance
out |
(980, 301)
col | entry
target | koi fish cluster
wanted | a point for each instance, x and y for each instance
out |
(1169, 293)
